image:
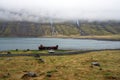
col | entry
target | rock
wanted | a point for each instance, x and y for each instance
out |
(37, 55)
(41, 60)
(29, 74)
(6, 75)
(25, 71)
(95, 64)
(100, 69)
(8, 52)
(32, 74)
(48, 75)
(8, 59)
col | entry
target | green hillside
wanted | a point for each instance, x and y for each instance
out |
(30, 29)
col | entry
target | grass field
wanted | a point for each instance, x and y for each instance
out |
(70, 67)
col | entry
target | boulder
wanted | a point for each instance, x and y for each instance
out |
(95, 64)
(32, 74)
(29, 74)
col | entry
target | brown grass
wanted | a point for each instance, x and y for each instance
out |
(72, 67)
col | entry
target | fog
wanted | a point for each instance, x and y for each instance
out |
(45, 10)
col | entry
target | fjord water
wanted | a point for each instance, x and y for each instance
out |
(33, 43)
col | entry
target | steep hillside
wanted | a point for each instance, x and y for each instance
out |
(30, 29)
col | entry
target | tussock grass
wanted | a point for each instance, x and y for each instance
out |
(71, 67)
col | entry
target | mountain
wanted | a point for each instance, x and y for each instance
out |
(82, 28)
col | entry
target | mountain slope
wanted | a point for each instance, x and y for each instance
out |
(30, 29)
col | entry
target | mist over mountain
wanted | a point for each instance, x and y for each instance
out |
(36, 18)
(59, 10)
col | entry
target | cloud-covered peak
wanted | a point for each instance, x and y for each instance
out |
(41, 10)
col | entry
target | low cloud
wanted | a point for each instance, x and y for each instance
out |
(44, 10)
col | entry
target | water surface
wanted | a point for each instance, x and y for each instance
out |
(33, 43)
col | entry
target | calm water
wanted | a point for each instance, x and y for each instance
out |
(33, 43)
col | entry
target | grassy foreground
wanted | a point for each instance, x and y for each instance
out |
(71, 67)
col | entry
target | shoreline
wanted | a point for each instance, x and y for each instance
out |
(55, 54)
(103, 38)
(61, 49)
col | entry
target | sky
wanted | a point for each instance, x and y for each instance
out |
(40, 10)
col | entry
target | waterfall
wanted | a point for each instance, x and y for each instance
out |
(52, 28)
(78, 24)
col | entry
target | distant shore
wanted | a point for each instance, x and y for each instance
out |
(93, 37)
(106, 37)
